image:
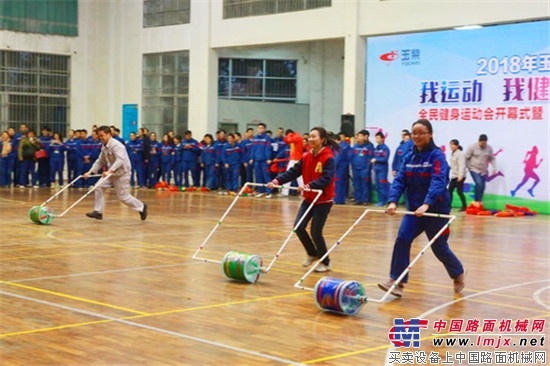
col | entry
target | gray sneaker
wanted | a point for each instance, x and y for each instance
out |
(309, 261)
(322, 268)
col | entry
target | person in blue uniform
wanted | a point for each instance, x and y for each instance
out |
(71, 145)
(44, 163)
(135, 151)
(405, 146)
(231, 159)
(168, 160)
(423, 177)
(261, 155)
(341, 178)
(361, 167)
(246, 147)
(380, 166)
(208, 162)
(189, 159)
(153, 168)
(56, 152)
(83, 164)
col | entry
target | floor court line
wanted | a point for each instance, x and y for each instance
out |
(428, 312)
(536, 297)
(150, 315)
(158, 330)
(70, 297)
(468, 297)
(109, 271)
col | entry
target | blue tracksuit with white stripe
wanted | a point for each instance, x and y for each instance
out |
(167, 163)
(402, 150)
(341, 176)
(381, 157)
(56, 152)
(208, 160)
(72, 158)
(153, 169)
(423, 177)
(246, 148)
(189, 161)
(361, 168)
(260, 153)
(231, 159)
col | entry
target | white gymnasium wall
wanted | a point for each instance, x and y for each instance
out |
(314, 91)
(274, 115)
(107, 55)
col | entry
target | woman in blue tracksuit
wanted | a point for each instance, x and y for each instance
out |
(231, 159)
(56, 152)
(167, 160)
(423, 177)
(153, 168)
(208, 162)
(177, 165)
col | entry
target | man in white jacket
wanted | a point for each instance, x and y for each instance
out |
(114, 158)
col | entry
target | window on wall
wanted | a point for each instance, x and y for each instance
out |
(256, 79)
(165, 92)
(45, 16)
(34, 89)
(157, 13)
(246, 8)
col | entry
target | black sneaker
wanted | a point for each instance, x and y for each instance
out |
(95, 215)
(143, 214)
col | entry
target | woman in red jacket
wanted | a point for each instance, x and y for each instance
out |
(317, 170)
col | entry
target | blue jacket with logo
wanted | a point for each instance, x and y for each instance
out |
(381, 156)
(423, 177)
(261, 148)
(360, 155)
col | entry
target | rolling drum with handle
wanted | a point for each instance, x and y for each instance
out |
(242, 266)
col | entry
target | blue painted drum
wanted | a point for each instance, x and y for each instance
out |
(242, 266)
(339, 296)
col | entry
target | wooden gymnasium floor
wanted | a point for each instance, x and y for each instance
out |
(126, 292)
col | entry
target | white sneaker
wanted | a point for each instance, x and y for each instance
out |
(309, 261)
(258, 195)
(268, 196)
(323, 268)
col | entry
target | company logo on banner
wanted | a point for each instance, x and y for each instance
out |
(493, 81)
(407, 57)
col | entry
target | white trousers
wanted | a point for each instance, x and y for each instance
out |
(300, 180)
(121, 184)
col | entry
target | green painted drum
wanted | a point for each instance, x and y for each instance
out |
(41, 215)
(241, 266)
(338, 296)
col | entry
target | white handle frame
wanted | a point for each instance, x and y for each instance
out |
(98, 183)
(277, 255)
(451, 218)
